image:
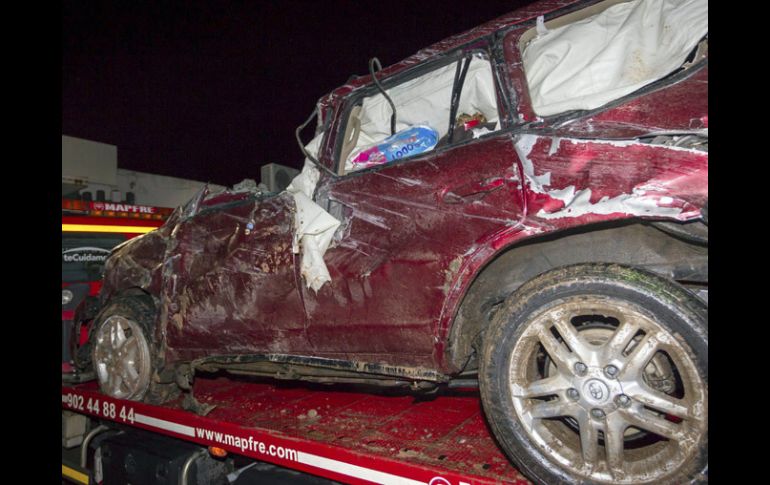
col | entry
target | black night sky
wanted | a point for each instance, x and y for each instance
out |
(212, 90)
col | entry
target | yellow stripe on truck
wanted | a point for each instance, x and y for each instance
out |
(97, 228)
(73, 474)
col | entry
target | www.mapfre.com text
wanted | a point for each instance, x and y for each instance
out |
(247, 444)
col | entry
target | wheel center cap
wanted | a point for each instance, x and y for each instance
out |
(596, 391)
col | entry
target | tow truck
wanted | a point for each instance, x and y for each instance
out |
(258, 430)
(264, 431)
(90, 229)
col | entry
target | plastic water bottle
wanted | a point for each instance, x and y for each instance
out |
(406, 143)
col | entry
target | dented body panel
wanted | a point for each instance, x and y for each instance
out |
(416, 234)
(228, 267)
(407, 229)
(573, 181)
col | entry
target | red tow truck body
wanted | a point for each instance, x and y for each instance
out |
(336, 432)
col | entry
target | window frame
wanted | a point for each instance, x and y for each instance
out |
(407, 75)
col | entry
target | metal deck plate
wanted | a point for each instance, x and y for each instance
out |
(336, 432)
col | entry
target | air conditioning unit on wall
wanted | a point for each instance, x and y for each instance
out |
(276, 176)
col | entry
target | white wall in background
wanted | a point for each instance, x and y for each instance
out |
(88, 161)
(159, 190)
(91, 166)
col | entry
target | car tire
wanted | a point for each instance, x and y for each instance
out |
(125, 353)
(598, 373)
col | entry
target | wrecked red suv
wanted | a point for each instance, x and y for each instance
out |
(524, 204)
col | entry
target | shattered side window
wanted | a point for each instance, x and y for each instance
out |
(424, 106)
(588, 58)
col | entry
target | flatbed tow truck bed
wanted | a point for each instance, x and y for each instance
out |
(328, 431)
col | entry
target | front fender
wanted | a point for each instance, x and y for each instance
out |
(136, 264)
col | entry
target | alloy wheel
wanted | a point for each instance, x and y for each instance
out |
(608, 387)
(122, 358)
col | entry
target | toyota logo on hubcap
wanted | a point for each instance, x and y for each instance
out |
(596, 391)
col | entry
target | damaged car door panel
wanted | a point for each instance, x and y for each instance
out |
(551, 240)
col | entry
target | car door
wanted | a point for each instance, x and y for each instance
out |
(230, 282)
(406, 227)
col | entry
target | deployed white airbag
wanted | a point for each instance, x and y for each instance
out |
(593, 61)
(313, 226)
(426, 100)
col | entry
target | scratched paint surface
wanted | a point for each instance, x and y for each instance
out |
(588, 179)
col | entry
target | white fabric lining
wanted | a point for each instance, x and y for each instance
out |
(313, 226)
(427, 100)
(593, 61)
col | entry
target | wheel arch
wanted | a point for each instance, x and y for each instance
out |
(634, 243)
(136, 293)
(130, 292)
